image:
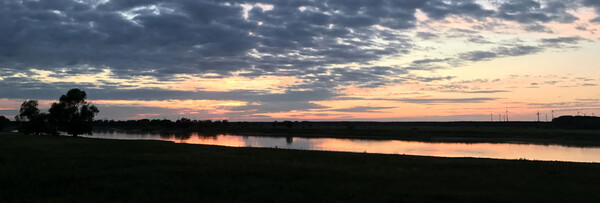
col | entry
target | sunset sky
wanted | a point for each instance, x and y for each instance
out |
(265, 60)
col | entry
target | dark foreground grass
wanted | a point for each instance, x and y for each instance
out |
(65, 169)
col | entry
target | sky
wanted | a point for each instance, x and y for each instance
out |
(266, 60)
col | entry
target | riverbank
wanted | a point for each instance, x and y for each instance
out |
(424, 133)
(38, 168)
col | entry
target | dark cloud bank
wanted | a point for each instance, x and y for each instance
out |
(295, 38)
(162, 38)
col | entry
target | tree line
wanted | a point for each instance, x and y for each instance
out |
(189, 124)
(161, 124)
(72, 115)
(577, 122)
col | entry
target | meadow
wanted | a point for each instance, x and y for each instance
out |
(61, 169)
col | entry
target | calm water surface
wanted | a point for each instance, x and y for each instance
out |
(483, 150)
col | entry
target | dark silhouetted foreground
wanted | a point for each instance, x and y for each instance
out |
(577, 122)
(3, 122)
(72, 115)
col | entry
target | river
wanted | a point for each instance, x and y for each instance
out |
(440, 149)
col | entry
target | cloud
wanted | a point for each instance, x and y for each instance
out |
(23, 88)
(326, 45)
(485, 91)
(427, 35)
(562, 42)
(478, 55)
(362, 109)
(538, 28)
(427, 100)
(437, 100)
(530, 11)
(516, 50)
(567, 105)
(596, 5)
(276, 107)
(163, 38)
(467, 8)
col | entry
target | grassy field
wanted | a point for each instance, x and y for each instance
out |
(66, 169)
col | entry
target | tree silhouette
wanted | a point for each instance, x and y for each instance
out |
(73, 114)
(32, 121)
(29, 110)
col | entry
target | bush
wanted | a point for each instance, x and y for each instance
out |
(3, 122)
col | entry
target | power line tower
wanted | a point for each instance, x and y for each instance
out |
(552, 114)
(538, 115)
(506, 114)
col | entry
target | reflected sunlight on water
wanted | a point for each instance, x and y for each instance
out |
(482, 150)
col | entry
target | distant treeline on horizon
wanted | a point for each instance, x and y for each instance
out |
(564, 122)
(567, 122)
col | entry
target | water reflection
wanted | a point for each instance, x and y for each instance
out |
(486, 150)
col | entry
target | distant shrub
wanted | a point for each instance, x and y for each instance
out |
(3, 122)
